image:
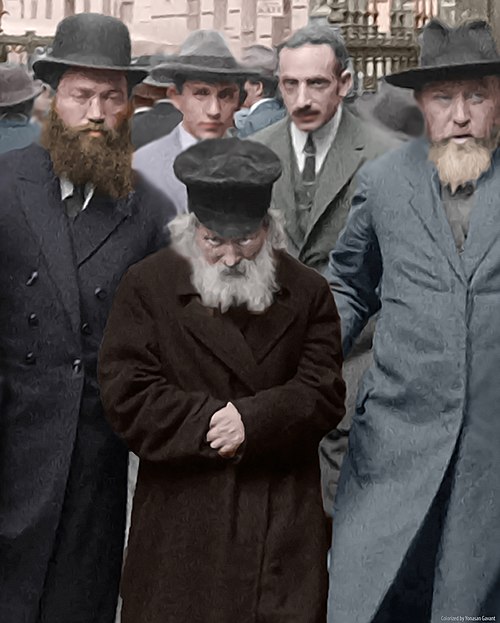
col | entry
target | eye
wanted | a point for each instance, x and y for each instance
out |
(290, 84)
(243, 242)
(442, 97)
(202, 92)
(115, 96)
(213, 241)
(318, 83)
(478, 97)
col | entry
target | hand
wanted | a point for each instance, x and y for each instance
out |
(226, 432)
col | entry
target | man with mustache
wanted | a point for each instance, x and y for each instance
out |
(220, 368)
(73, 218)
(417, 520)
(207, 86)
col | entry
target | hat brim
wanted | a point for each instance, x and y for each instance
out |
(149, 80)
(166, 73)
(418, 77)
(35, 92)
(44, 68)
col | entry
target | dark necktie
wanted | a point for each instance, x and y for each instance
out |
(74, 203)
(309, 172)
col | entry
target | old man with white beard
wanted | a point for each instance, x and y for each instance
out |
(221, 370)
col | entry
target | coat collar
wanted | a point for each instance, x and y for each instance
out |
(242, 355)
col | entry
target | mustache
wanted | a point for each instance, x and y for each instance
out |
(302, 112)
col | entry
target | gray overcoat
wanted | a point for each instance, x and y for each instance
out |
(432, 393)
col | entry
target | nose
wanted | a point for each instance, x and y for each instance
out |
(303, 96)
(96, 111)
(231, 257)
(461, 115)
(213, 107)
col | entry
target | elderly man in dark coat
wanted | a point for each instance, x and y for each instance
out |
(17, 94)
(73, 218)
(417, 521)
(221, 369)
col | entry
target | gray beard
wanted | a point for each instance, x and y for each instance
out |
(251, 284)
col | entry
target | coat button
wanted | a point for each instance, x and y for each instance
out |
(85, 328)
(33, 320)
(30, 358)
(77, 366)
(32, 278)
(100, 293)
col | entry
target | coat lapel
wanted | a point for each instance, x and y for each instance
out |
(425, 200)
(96, 223)
(343, 160)
(484, 225)
(44, 212)
(283, 193)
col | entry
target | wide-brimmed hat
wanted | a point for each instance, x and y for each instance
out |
(392, 108)
(261, 59)
(89, 40)
(229, 183)
(203, 53)
(154, 61)
(446, 53)
(16, 85)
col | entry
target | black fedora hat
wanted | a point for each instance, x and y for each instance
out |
(89, 40)
(446, 53)
(16, 85)
(229, 183)
(203, 53)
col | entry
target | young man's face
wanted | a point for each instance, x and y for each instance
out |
(92, 97)
(460, 111)
(208, 109)
(311, 86)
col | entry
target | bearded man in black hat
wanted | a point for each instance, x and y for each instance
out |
(220, 368)
(208, 83)
(73, 218)
(417, 520)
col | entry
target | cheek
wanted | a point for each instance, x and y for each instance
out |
(114, 114)
(70, 113)
(484, 117)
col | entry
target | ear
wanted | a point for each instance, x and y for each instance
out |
(345, 82)
(259, 89)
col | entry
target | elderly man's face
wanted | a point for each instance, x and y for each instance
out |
(460, 111)
(311, 86)
(208, 109)
(92, 98)
(229, 251)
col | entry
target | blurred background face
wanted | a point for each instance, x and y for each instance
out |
(207, 108)
(311, 85)
(93, 98)
(146, 95)
(460, 111)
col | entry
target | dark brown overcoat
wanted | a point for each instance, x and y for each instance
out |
(214, 540)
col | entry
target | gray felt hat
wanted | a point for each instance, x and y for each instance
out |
(261, 59)
(89, 40)
(446, 53)
(203, 54)
(16, 85)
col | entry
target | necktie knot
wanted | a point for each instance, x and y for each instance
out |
(74, 203)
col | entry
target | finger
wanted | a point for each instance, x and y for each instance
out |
(227, 452)
(211, 435)
(216, 444)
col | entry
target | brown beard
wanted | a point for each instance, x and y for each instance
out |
(458, 164)
(104, 161)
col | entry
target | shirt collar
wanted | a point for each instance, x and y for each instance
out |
(257, 104)
(67, 188)
(324, 135)
(187, 139)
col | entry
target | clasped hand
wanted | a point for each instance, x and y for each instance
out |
(226, 431)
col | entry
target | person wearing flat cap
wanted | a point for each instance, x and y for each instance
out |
(261, 108)
(417, 514)
(17, 94)
(207, 85)
(74, 217)
(220, 368)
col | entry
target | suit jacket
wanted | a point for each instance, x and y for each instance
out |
(354, 144)
(62, 470)
(216, 528)
(156, 163)
(263, 116)
(16, 133)
(149, 125)
(429, 403)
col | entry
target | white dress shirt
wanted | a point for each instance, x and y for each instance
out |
(187, 139)
(323, 139)
(67, 188)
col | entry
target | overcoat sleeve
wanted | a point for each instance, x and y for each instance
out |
(291, 419)
(157, 420)
(355, 267)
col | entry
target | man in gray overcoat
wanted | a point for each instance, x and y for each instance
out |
(417, 515)
(73, 218)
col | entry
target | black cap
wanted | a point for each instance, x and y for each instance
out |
(229, 183)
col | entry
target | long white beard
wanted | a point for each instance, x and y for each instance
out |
(252, 283)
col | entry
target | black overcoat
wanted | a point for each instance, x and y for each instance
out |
(63, 472)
